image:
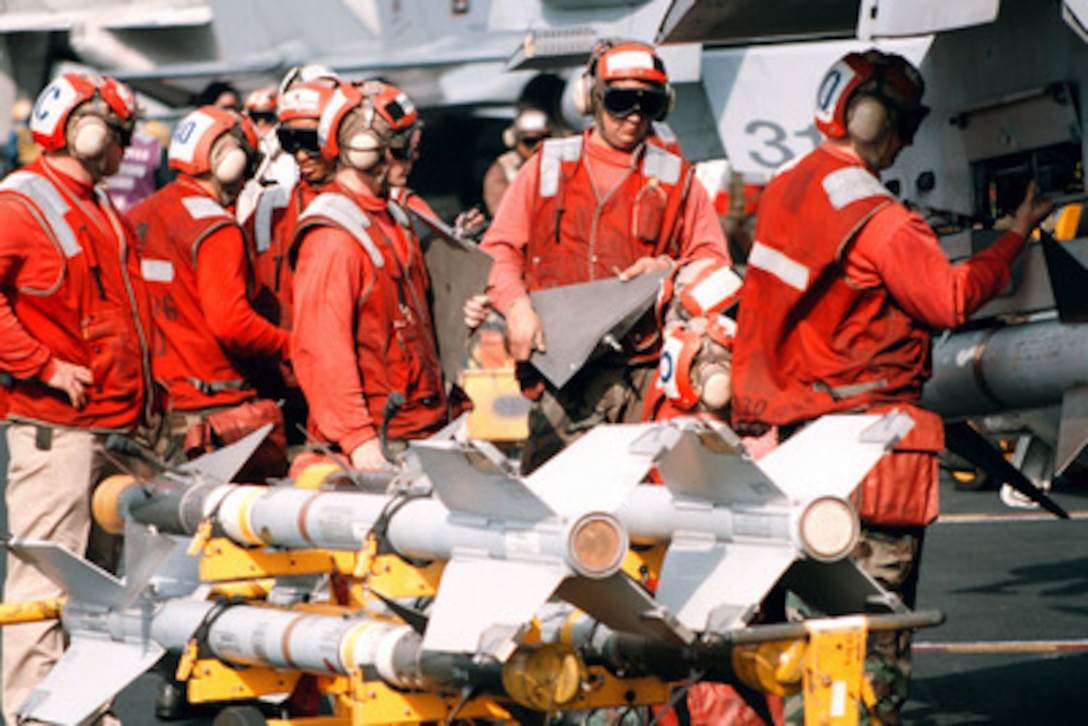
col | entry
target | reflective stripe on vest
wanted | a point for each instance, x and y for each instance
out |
(552, 156)
(347, 215)
(657, 163)
(52, 205)
(661, 164)
(277, 197)
(203, 208)
(773, 262)
(852, 184)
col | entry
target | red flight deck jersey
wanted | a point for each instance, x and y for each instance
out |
(194, 261)
(363, 328)
(579, 210)
(71, 291)
(270, 228)
(843, 290)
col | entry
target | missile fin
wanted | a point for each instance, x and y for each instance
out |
(839, 588)
(467, 478)
(1068, 280)
(962, 439)
(484, 605)
(625, 606)
(833, 454)
(222, 464)
(579, 319)
(708, 462)
(1073, 432)
(82, 580)
(715, 586)
(147, 555)
(86, 678)
(598, 471)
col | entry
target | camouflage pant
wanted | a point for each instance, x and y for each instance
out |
(599, 394)
(891, 556)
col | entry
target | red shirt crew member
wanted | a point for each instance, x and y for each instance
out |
(194, 259)
(75, 325)
(363, 330)
(843, 290)
(617, 200)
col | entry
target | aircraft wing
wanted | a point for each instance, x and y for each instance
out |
(90, 673)
(746, 21)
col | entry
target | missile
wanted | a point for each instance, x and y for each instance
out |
(732, 526)
(132, 636)
(1032, 365)
(1028, 374)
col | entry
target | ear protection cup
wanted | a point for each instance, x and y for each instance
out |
(582, 94)
(89, 137)
(363, 151)
(229, 161)
(509, 137)
(868, 120)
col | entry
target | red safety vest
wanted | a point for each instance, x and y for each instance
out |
(810, 343)
(187, 358)
(576, 240)
(95, 314)
(394, 334)
(270, 229)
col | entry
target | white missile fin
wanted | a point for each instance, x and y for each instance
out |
(624, 606)
(90, 673)
(484, 605)
(715, 586)
(469, 479)
(82, 580)
(596, 472)
(222, 464)
(830, 456)
(709, 463)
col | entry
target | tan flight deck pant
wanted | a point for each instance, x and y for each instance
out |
(48, 498)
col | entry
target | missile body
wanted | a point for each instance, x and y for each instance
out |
(424, 528)
(1025, 366)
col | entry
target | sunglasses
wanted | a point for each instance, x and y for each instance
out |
(646, 102)
(123, 134)
(295, 140)
(409, 150)
(531, 141)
